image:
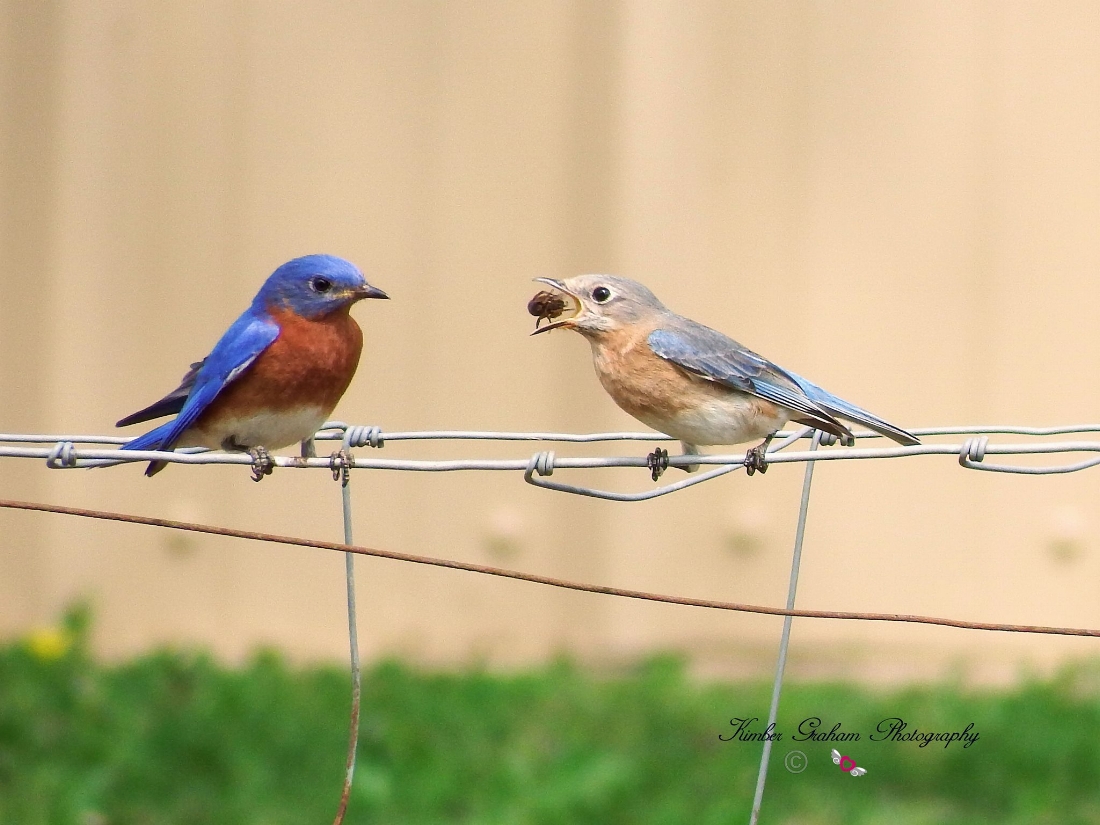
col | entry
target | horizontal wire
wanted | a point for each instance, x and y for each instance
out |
(105, 457)
(334, 431)
(535, 578)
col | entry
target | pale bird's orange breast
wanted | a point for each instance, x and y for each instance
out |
(674, 401)
(642, 383)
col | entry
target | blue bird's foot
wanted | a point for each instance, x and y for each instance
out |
(757, 457)
(657, 461)
(341, 462)
(262, 463)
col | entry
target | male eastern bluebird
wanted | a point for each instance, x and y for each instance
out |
(276, 374)
(690, 381)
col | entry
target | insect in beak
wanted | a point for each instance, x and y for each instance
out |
(547, 305)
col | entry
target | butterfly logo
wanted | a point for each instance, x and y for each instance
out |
(847, 764)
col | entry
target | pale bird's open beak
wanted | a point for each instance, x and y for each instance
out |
(565, 323)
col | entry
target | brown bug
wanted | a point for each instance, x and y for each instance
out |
(546, 306)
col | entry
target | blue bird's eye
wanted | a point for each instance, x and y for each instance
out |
(601, 295)
(320, 285)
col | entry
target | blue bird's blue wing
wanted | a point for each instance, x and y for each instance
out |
(170, 404)
(709, 354)
(241, 344)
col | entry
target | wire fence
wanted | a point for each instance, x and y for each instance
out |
(63, 451)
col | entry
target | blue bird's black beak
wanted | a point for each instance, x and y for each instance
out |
(368, 291)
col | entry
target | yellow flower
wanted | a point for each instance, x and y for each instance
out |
(49, 643)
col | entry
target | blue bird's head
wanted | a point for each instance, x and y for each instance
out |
(314, 286)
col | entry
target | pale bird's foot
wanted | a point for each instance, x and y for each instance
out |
(262, 463)
(657, 461)
(690, 449)
(340, 462)
(757, 457)
(308, 448)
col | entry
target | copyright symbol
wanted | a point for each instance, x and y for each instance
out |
(795, 761)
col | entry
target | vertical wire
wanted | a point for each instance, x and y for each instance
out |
(781, 664)
(353, 641)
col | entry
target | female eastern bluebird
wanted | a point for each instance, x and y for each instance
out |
(692, 382)
(276, 374)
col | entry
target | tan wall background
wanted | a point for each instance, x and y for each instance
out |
(900, 200)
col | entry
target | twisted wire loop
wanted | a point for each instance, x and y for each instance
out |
(973, 452)
(541, 463)
(62, 456)
(358, 435)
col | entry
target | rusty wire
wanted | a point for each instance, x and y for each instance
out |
(536, 578)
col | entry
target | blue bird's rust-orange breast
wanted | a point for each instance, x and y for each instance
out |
(291, 387)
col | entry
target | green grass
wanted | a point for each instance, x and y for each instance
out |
(176, 738)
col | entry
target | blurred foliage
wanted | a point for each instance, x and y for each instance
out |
(175, 738)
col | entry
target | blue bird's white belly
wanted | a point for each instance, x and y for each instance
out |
(270, 428)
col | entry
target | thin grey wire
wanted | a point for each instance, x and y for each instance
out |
(544, 464)
(63, 453)
(74, 457)
(335, 431)
(353, 635)
(785, 638)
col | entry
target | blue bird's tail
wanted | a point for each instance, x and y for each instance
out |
(152, 440)
(838, 406)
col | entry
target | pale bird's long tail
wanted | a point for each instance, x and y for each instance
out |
(839, 407)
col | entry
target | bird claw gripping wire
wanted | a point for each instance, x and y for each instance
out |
(757, 457)
(755, 460)
(340, 462)
(657, 461)
(262, 463)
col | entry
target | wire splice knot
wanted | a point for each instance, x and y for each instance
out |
(62, 456)
(973, 450)
(363, 436)
(542, 463)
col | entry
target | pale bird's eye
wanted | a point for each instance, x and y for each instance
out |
(320, 285)
(601, 295)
